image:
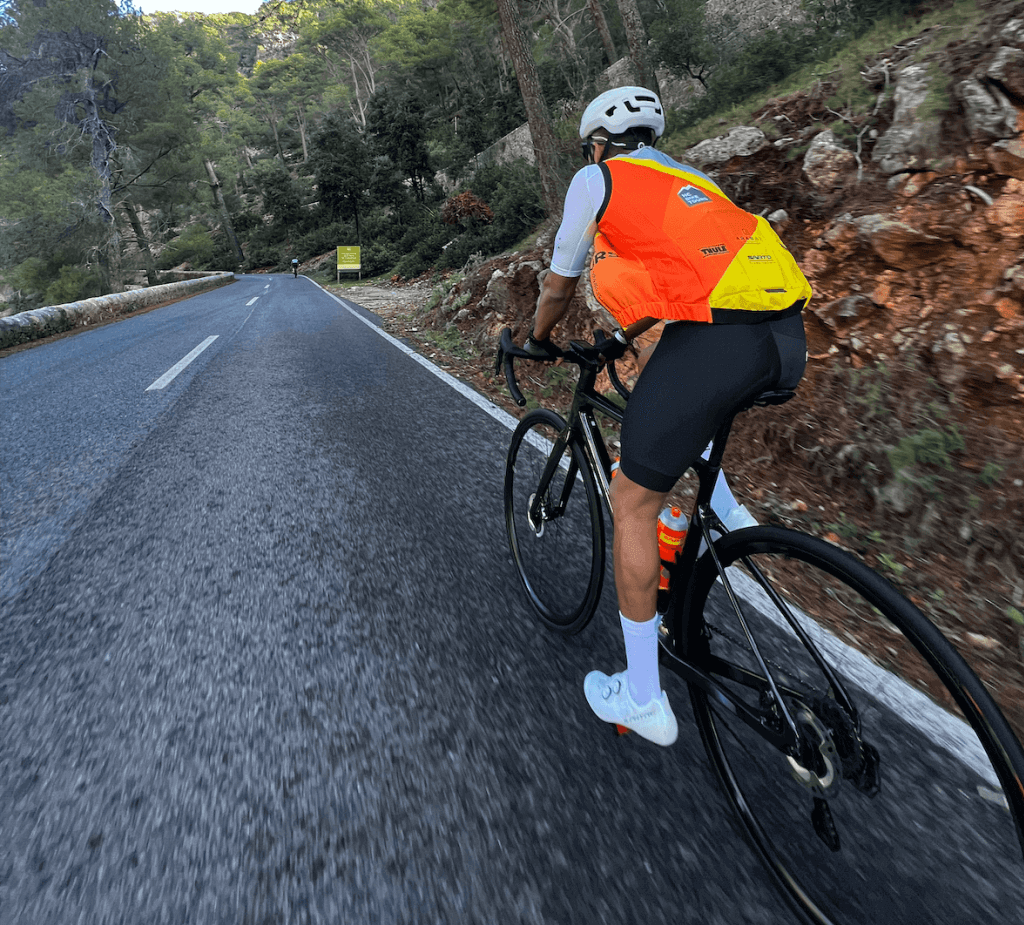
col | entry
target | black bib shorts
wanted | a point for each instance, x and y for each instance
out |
(698, 374)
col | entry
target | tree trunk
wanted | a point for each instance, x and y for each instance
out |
(109, 260)
(142, 241)
(225, 215)
(277, 139)
(536, 109)
(602, 28)
(636, 35)
(301, 113)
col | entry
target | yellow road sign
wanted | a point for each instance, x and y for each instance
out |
(348, 258)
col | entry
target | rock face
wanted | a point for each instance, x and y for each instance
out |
(944, 253)
(757, 12)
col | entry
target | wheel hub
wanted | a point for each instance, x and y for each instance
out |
(537, 528)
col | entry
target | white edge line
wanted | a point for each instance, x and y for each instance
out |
(475, 397)
(169, 376)
(946, 730)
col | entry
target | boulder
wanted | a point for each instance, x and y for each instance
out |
(1015, 277)
(840, 233)
(1007, 68)
(840, 313)
(988, 113)
(897, 243)
(498, 292)
(904, 144)
(1006, 157)
(1006, 214)
(1013, 33)
(826, 161)
(741, 141)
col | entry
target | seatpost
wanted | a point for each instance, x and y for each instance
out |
(707, 470)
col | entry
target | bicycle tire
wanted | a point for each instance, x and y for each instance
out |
(560, 561)
(935, 844)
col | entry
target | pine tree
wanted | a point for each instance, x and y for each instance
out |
(536, 109)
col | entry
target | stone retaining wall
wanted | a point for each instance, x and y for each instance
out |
(55, 319)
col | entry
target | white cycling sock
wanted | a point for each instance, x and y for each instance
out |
(641, 657)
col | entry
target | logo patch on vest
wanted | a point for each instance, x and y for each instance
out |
(715, 250)
(759, 258)
(693, 196)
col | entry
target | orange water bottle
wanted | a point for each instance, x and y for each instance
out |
(671, 533)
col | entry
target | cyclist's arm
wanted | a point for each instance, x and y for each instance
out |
(579, 222)
(555, 296)
(572, 243)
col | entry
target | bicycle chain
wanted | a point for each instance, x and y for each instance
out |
(768, 661)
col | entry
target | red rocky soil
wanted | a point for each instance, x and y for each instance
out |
(906, 441)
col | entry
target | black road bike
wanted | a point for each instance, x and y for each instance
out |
(869, 766)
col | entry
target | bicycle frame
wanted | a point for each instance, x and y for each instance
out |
(680, 645)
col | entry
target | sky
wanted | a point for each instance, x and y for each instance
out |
(198, 6)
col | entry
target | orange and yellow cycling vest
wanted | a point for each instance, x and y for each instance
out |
(670, 244)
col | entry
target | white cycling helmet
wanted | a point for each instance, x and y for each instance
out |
(617, 111)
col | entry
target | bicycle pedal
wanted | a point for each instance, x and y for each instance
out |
(622, 730)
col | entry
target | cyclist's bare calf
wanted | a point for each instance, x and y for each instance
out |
(635, 547)
(637, 568)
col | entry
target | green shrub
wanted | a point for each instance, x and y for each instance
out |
(32, 277)
(261, 255)
(42, 282)
(378, 257)
(72, 285)
(323, 239)
(195, 245)
(927, 447)
(513, 194)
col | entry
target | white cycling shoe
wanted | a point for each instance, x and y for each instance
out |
(610, 699)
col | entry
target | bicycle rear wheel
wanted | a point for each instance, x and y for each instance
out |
(560, 554)
(942, 838)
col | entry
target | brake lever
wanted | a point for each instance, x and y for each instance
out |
(618, 344)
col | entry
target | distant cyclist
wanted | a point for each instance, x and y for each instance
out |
(668, 244)
(295, 267)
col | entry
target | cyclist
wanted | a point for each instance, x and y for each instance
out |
(295, 267)
(668, 245)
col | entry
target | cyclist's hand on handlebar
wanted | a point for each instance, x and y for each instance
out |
(611, 348)
(541, 349)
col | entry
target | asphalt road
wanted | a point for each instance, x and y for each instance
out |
(264, 658)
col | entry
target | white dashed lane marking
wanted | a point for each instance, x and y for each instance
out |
(168, 377)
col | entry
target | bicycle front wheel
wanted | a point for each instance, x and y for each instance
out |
(555, 526)
(903, 801)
